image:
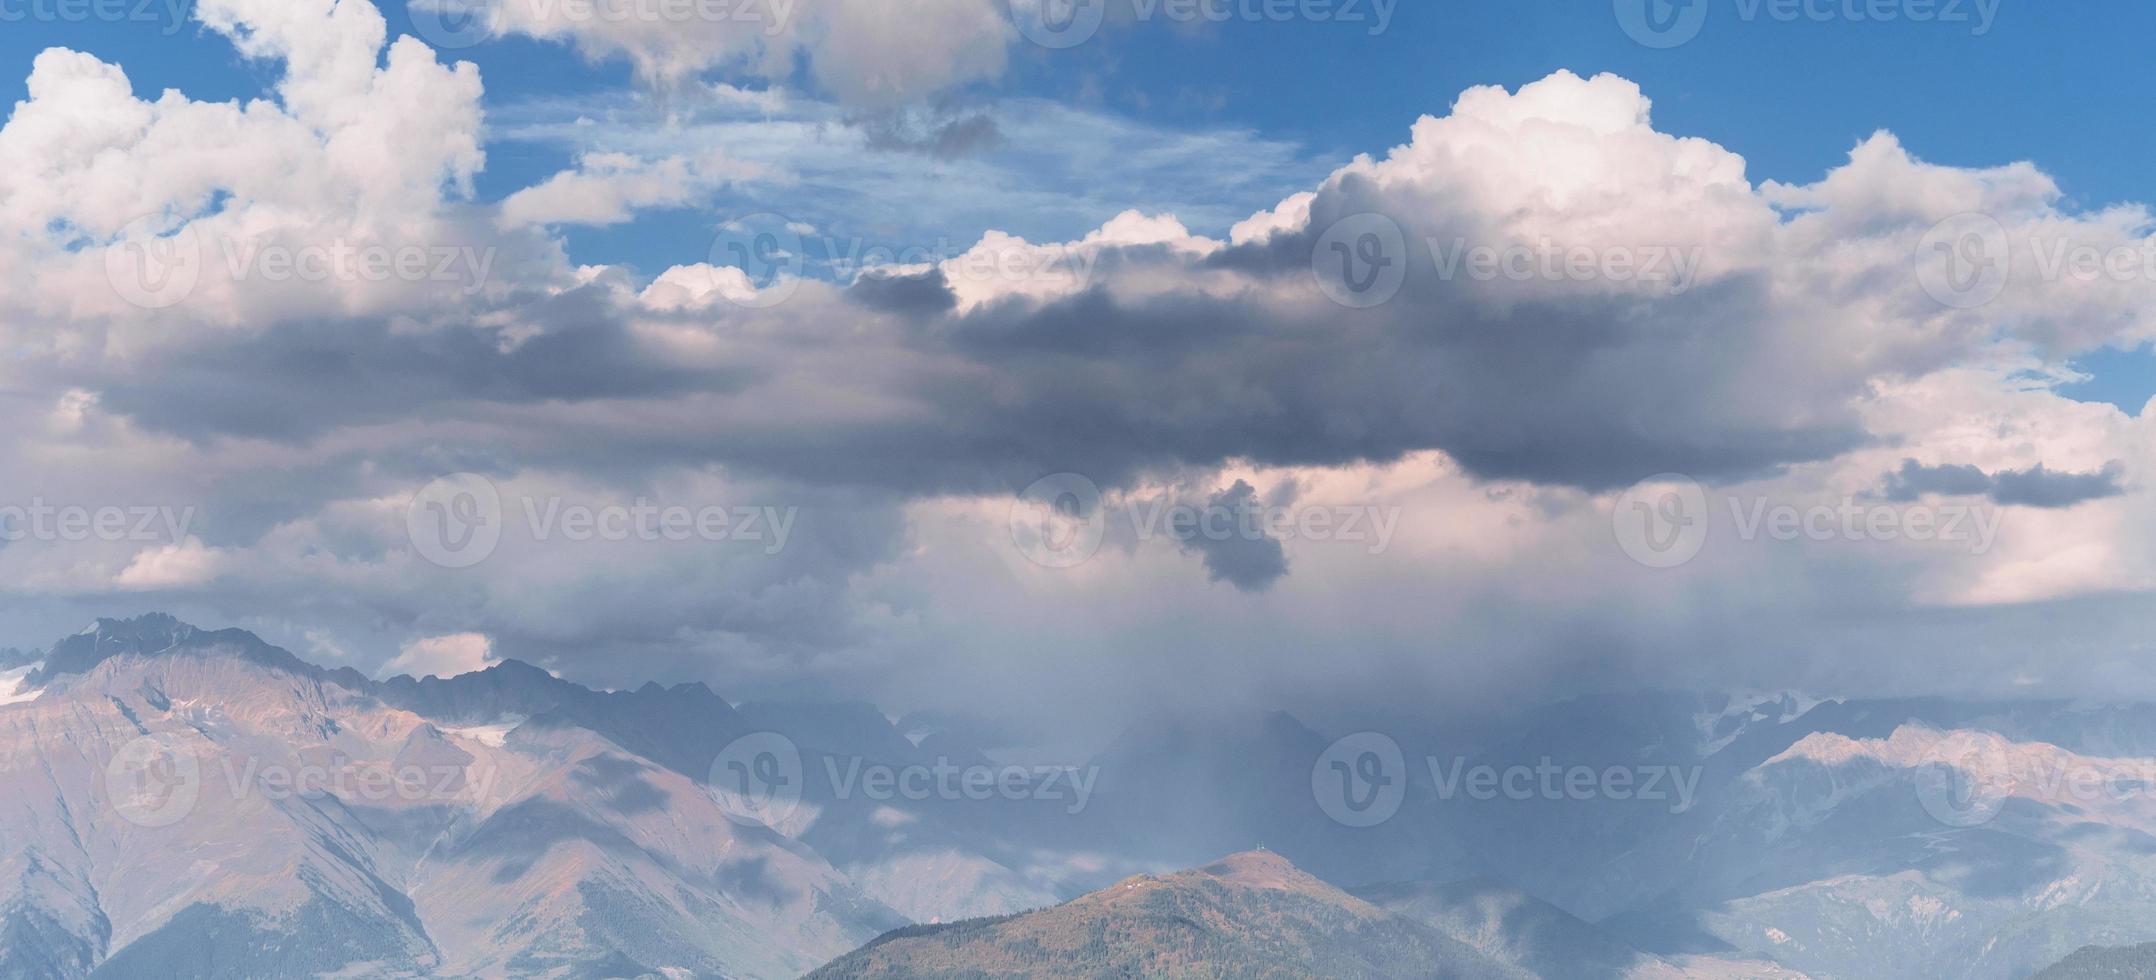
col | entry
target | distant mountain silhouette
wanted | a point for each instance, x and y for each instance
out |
(1251, 915)
(2105, 963)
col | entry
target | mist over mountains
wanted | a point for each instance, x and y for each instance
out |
(183, 801)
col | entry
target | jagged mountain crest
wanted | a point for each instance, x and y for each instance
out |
(586, 812)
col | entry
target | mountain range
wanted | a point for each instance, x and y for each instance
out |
(180, 802)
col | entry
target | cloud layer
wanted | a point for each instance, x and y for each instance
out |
(864, 52)
(287, 318)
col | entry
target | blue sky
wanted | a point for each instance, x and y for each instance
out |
(1790, 95)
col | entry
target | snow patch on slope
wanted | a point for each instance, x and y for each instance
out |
(493, 736)
(1719, 728)
(11, 686)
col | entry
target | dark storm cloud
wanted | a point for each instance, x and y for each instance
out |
(1235, 547)
(1914, 480)
(1164, 359)
(1573, 393)
(2036, 486)
(1594, 391)
(308, 377)
(879, 385)
(920, 295)
(2039, 487)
